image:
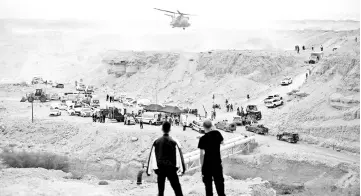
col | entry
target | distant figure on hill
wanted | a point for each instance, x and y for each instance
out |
(141, 123)
(227, 107)
(248, 96)
(107, 97)
(303, 48)
(312, 48)
(321, 48)
(231, 107)
(297, 48)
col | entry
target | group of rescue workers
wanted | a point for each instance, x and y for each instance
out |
(297, 48)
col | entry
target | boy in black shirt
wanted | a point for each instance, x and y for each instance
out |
(210, 156)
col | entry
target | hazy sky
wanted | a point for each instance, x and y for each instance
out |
(227, 11)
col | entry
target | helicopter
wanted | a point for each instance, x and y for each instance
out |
(178, 21)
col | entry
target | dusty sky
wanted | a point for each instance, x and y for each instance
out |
(209, 11)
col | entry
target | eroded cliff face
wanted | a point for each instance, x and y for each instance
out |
(191, 78)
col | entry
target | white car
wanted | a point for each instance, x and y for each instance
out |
(55, 96)
(272, 103)
(86, 112)
(286, 81)
(54, 112)
(81, 87)
(59, 106)
(272, 97)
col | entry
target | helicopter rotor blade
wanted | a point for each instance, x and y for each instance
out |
(165, 11)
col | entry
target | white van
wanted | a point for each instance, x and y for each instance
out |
(151, 118)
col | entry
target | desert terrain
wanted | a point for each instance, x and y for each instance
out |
(323, 108)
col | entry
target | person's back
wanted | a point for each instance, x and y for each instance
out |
(166, 160)
(165, 151)
(210, 156)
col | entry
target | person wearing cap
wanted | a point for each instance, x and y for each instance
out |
(166, 159)
(210, 157)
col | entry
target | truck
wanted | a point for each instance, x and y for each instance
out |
(115, 113)
(315, 57)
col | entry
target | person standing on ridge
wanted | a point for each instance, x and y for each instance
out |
(210, 158)
(166, 160)
(141, 123)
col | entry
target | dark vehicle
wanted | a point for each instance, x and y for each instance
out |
(115, 113)
(288, 137)
(216, 106)
(253, 112)
(243, 120)
(259, 129)
(225, 126)
(59, 86)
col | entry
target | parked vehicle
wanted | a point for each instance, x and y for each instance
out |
(59, 85)
(37, 80)
(237, 120)
(55, 96)
(152, 118)
(315, 57)
(54, 112)
(225, 126)
(80, 87)
(38, 95)
(272, 97)
(197, 125)
(275, 102)
(256, 128)
(74, 109)
(86, 112)
(253, 112)
(286, 81)
(129, 120)
(89, 89)
(115, 113)
(94, 102)
(288, 137)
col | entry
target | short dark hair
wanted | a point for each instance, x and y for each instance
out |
(166, 127)
(207, 124)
